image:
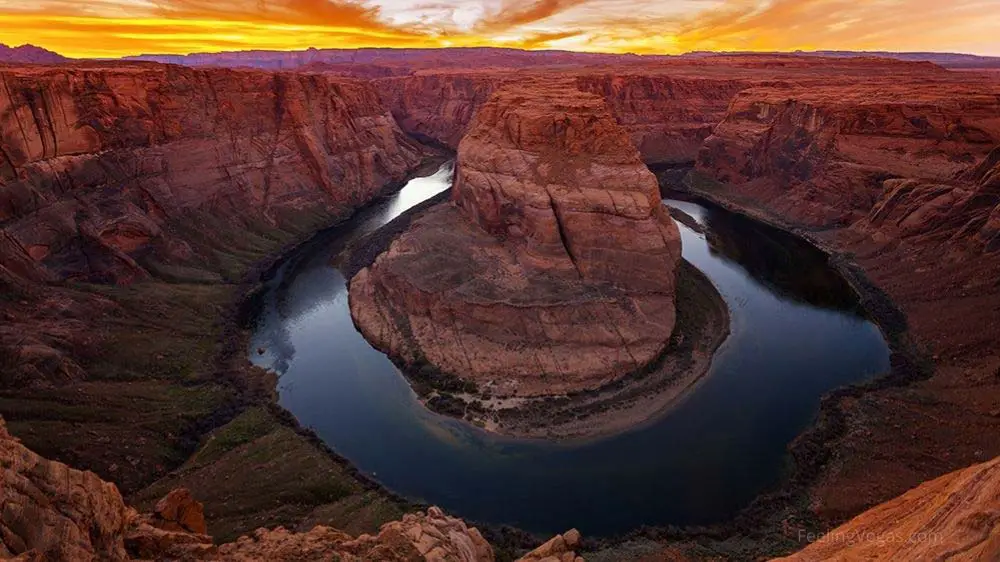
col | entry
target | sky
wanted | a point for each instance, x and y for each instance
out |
(112, 28)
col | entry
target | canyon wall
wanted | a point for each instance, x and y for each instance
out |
(126, 172)
(820, 155)
(437, 105)
(896, 174)
(667, 117)
(553, 268)
(121, 173)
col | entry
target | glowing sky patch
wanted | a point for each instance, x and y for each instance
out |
(111, 28)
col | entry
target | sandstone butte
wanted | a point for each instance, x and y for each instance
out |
(552, 269)
(145, 173)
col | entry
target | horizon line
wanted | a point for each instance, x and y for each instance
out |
(519, 49)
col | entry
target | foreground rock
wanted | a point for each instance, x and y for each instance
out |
(56, 511)
(954, 517)
(432, 536)
(551, 271)
(53, 512)
(558, 549)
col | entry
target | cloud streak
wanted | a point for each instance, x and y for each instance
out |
(107, 28)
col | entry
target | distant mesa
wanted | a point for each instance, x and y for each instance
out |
(29, 54)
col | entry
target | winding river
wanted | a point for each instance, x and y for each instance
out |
(797, 333)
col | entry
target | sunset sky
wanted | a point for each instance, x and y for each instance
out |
(111, 28)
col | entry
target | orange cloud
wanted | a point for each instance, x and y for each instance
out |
(308, 12)
(517, 13)
(111, 28)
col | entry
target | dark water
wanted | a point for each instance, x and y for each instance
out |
(797, 333)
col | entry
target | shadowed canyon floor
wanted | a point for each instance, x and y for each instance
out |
(138, 201)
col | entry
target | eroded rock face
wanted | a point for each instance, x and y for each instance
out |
(667, 117)
(820, 155)
(559, 548)
(955, 517)
(439, 105)
(54, 511)
(116, 173)
(553, 268)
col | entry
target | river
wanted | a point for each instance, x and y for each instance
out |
(797, 333)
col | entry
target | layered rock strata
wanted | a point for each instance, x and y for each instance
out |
(123, 172)
(550, 271)
(955, 517)
(666, 117)
(820, 155)
(118, 173)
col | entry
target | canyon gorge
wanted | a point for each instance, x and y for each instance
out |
(143, 205)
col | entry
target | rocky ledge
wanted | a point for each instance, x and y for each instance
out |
(552, 269)
(54, 512)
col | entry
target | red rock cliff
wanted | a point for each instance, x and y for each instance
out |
(439, 105)
(105, 171)
(667, 117)
(819, 155)
(897, 173)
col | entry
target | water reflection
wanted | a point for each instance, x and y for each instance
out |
(306, 289)
(789, 266)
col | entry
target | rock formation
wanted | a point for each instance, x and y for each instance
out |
(667, 117)
(819, 155)
(56, 511)
(955, 517)
(116, 173)
(432, 536)
(963, 207)
(559, 548)
(53, 512)
(439, 105)
(29, 54)
(551, 271)
(896, 173)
